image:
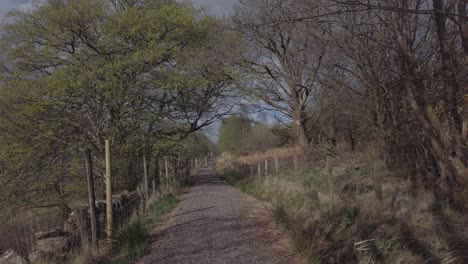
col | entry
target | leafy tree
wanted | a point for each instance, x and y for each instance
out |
(233, 131)
(145, 74)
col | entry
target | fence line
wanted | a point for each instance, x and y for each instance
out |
(368, 169)
(93, 224)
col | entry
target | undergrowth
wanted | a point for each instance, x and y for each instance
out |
(351, 226)
(133, 241)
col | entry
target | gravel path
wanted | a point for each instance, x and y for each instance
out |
(214, 223)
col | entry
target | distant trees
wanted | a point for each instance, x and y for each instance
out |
(241, 135)
(145, 74)
(233, 131)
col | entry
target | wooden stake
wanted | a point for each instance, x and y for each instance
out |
(108, 191)
(91, 201)
(166, 166)
(465, 120)
(259, 171)
(377, 182)
(276, 165)
(295, 162)
(84, 225)
(145, 172)
(266, 167)
(152, 172)
(331, 182)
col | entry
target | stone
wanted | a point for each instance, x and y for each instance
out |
(49, 233)
(72, 224)
(11, 257)
(51, 249)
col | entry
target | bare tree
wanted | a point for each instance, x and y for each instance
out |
(284, 58)
(410, 57)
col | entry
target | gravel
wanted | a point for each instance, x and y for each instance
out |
(214, 223)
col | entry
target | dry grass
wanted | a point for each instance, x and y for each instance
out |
(280, 153)
(85, 257)
(351, 225)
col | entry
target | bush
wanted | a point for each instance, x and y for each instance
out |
(133, 241)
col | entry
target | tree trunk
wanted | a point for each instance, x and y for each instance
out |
(301, 133)
(448, 160)
(463, 24)
(448, 71)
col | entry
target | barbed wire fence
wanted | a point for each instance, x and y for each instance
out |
(341, 172)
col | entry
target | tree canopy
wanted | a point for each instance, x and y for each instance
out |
(145, 74)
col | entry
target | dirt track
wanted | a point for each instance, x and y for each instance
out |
(214, 223)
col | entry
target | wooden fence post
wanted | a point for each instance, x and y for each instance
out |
(166, 166)
(160, 173)
(259, 171)
(295, 162)
(145, 172)
(153, 171)
(377, 183)
(91, 201)
(276, 165)
(266, 167)
(109, 203)
(331, 182)
(465, 121)
(84, 225)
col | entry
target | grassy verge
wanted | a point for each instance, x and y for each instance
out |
(133, 241)
(352, 226)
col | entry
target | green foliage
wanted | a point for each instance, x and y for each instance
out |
(280, 214)
(159, 209)
(133, 241)
(144, 74)
(241, 135)
(232, 134)
(195, 145)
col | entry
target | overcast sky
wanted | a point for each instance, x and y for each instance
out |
(217, 7)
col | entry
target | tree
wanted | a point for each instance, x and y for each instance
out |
(240, 134)
(283, 59)
(233, 132)
(410, 57)
(142, 73)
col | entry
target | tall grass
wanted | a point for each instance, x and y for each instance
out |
(351, 226)
(134, 241)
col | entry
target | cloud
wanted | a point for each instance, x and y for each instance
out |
(8, 5)
(217, 7)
